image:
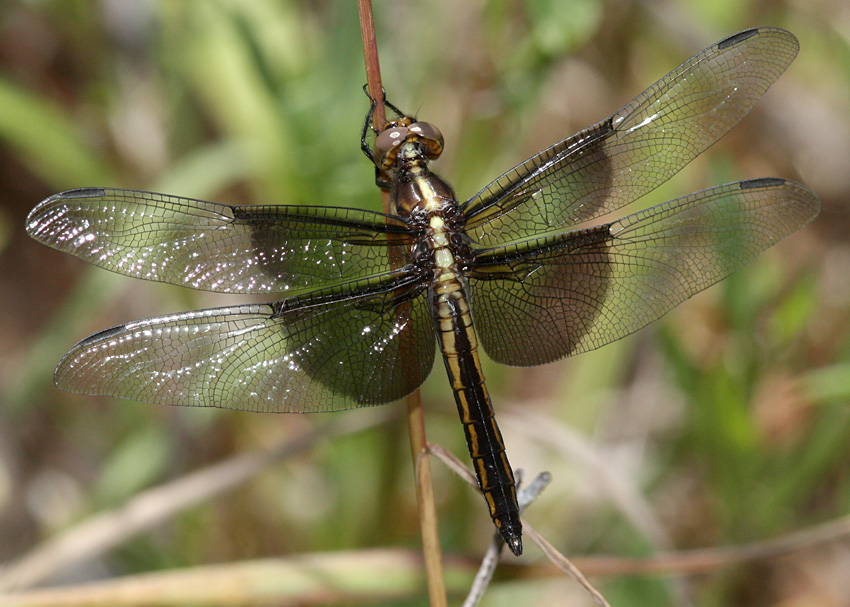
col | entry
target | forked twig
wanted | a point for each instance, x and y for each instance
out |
(558, 559)
(525, 496)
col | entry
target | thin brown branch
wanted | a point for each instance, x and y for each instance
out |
(373, 66)
(416, 420)
(563, 563)
(426, 502)
(453, 464)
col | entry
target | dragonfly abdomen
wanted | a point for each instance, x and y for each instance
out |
(459, 346)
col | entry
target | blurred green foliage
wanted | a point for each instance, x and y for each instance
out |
(729, 418)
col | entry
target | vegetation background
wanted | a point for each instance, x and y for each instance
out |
(723, 424)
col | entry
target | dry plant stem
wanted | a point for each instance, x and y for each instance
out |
(373, 67)
(453, 464)
(427, 505)
(485, 573)
(416, 420)
(689, 562)
(564, 564)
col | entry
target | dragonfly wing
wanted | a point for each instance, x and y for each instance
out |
(216, 247)
(640, 147)
(540, 300)
(366, 344)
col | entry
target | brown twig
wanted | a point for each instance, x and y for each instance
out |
(373, 66)
(563, 563)
(427, 505)
(416, 420)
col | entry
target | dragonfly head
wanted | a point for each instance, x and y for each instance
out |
(405, 138)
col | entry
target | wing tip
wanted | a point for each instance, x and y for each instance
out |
(762, 182)
(802, 193)
(740, 37)
(79, 193)
(46, 210)
(737, 38)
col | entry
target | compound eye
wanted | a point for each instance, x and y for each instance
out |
(387, 141)
(431, 136)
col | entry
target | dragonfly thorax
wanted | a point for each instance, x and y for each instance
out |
(418, 190)
(444, 248)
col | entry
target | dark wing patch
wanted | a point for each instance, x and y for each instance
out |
(540, 300)
(365, 344)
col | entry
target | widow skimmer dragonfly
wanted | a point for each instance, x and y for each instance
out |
(368, 296)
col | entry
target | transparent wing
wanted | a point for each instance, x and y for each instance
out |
(540, 300)
(622, 158)
(215, 247)
(367, 343)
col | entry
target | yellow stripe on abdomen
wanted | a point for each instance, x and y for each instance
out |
(459, 346)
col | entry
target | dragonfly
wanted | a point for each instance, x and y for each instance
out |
(523, 269)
